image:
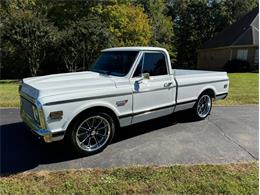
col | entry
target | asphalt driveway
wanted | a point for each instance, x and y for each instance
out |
(229, 134)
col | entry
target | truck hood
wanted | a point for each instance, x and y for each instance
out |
(58, 84)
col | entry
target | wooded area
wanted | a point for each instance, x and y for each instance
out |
(42, 37)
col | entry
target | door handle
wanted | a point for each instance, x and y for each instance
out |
(167, 84)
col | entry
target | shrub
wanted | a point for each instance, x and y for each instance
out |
(236, 65)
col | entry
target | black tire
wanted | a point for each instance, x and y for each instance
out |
(195, 110)
(72, 134)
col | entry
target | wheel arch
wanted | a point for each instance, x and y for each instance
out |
(96, 108)
(208, 90)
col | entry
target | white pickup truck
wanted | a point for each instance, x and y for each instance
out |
(125, 86)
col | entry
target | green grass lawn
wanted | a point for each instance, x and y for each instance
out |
(9, 93)
(178, 179)
(243, 89)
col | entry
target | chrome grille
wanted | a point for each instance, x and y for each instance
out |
(27, 107)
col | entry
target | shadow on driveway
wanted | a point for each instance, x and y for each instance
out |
(22, 151)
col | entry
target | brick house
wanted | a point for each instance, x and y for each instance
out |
(238, 41)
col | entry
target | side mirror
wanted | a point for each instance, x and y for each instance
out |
(146, 75)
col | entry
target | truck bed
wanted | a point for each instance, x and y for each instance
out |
(191, 83)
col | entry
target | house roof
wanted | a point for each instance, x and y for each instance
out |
(243, 32)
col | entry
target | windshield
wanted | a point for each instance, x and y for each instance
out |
(117, 63)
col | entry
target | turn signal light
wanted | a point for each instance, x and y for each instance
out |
(56, 115)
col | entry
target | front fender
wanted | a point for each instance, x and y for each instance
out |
(86, 106)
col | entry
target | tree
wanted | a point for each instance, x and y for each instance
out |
(69, 49)
(63, 12)
(237, 8)
(127, 23)
(188, 21)
(29, 35)
(161, 23)
(82, 41)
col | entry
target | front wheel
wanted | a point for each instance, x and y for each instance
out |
(91, 133)
(202, 107)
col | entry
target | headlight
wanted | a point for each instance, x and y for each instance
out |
(36, 114)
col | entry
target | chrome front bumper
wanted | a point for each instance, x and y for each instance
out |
(47, 135)
(38, 128)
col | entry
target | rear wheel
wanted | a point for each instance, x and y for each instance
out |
(202, 107)
(91, 133)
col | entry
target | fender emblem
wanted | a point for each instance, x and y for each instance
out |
(121, 103)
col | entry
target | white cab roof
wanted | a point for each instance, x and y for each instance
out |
(135, 49)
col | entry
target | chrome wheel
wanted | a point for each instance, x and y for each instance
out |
(204, 106)
(93, 133)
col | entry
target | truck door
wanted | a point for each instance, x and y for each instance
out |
(154, 89)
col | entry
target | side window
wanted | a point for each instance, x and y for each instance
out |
(154, 64)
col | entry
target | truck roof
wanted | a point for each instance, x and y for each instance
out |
(135, 49)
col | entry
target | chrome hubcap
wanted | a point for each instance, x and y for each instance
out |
(93, 133)
(204, 106)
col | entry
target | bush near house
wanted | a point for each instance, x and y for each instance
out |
(237, 66)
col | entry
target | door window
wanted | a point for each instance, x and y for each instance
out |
(152, 63)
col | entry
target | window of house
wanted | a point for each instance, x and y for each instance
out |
(256, 56)
(242, 54)
(152, 63)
